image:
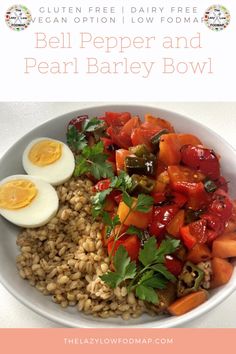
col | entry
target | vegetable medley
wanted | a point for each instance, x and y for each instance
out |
(168, 219)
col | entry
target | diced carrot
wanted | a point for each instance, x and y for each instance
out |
(186, 139)
(155, 121)
(176, 223)
(222, 271)
(170, 149)
(188, 303)
(225, 246)
(136, 218)
(231, 225)
(199, 253)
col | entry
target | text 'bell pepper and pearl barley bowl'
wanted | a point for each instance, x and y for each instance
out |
(131, 221)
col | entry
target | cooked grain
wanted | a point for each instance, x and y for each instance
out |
(65, 258)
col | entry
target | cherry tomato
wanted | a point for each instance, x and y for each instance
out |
(221, 205)
(201, 159)
(195, 232)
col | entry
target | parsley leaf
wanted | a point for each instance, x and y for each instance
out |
(146, 293)
(166, 247)
(144, 203)
(122, 182)
(124, 269)
(148, 254)
(127, 199)
(133, 230)
(151, 274)
(111, 223)
(160, 268)
(81, 166)
(98, 202)
(90, 125)
(77, 141)
(93, 160)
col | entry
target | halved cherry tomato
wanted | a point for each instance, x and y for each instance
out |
(131, 243)
(201, 159)
(221, 205)
(214, 222)
(174, 265)
(198, 198)
(193, 233)
(161, 216)
(169, 149)
(188, 182)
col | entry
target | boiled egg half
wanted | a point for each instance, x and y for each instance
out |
(49, 159)
(27, 201)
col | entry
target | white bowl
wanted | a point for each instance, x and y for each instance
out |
(10, 164)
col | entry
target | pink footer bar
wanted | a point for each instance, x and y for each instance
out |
(112, 341)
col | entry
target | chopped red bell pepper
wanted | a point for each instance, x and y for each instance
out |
(179, 199)
(161, 216)
(130, 242)
(194, 232)
(102, 185)
(173, 264)
(188, 239)
(109, 149)
(116, 118)
(158, 197)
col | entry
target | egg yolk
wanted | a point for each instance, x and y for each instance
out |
(45, 152)
(17, 194)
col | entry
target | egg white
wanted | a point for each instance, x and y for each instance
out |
(55, 173)
(41, 209)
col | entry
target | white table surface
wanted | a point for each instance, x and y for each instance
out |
(16, 119)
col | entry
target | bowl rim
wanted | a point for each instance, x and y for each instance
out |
(170, 322)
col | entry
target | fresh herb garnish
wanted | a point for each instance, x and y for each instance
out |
(149, 276)
(77, 141)
(123, 182)
(124, 269)
(93, 160)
